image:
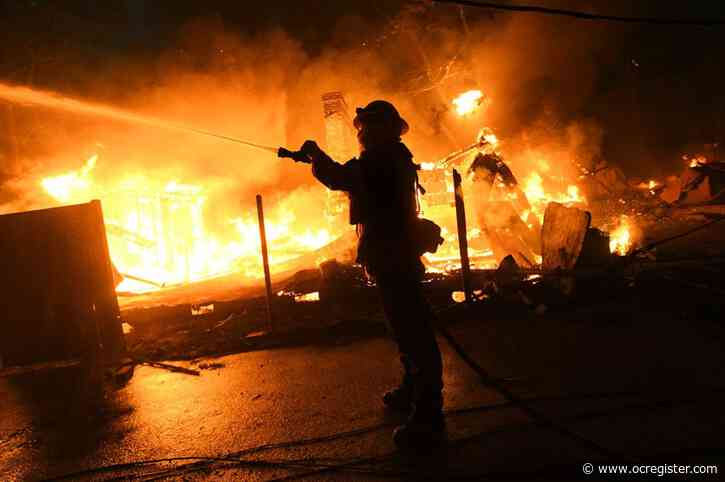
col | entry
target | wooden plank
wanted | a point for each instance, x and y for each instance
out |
(506, 233)
(562, 236)
(462, 236)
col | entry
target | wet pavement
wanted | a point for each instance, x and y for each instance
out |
(633, 395)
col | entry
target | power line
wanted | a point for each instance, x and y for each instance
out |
(697, 22)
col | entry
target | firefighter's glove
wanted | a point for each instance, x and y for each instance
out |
(311, 150)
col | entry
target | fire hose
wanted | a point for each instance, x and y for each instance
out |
(297, 156)
(534, 415)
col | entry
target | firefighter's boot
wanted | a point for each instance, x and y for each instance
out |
(400, 399)
(425, 428)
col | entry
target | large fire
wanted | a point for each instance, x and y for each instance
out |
(158, 236)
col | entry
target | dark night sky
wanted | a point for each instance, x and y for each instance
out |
(669, 78)
(311, 20)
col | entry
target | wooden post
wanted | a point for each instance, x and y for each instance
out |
(265, 259)
(462, 236)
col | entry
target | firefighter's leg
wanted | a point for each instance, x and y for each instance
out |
(401, 397)
(411, 321)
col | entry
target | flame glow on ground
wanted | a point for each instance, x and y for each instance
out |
(157, 231)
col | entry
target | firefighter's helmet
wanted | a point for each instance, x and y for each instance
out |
(380, 111)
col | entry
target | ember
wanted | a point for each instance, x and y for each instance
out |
(695, 161)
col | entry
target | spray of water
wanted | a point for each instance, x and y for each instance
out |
(28, 96)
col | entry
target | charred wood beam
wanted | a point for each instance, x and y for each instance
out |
(462, 236)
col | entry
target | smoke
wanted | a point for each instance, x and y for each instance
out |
(266, 87)
(218, 82)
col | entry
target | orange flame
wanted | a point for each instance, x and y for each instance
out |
(620, 240)
(65, 186)
(539, 198)
(157, 231)
(468, 102)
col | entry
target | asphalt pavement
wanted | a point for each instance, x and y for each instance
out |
(625, 391)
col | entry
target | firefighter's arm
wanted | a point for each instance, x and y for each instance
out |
(338, 177)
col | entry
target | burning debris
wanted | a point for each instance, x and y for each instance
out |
(158, 233)
(620, 241)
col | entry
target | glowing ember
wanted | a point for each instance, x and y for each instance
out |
(308, 297)
(468, 102)
(650, 185)
(697, 161)
(620, 240)
(458, 296)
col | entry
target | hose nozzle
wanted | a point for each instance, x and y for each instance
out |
(298, 156)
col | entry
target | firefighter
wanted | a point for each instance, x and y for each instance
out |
(381, 184)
